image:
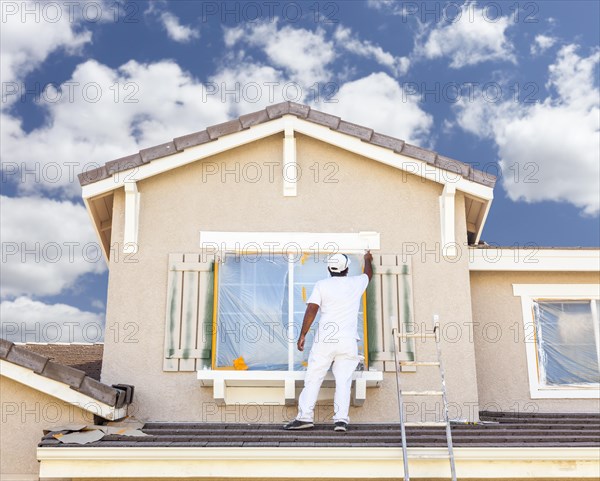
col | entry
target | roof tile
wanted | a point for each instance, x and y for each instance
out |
(93, 175)
(452, 165)
(415, 152)
(388, 142)
(124, 163)
(322, 118)
(5, 346)
(482, 177)
(230, 127)
(254, 118)
(162, 150)
(23, 357)
(278, 110)
(300, 110)
(98, 391)
(191, 140)
(61, 373)
(355, 130)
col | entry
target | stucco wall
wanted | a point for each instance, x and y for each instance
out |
(177, 205)
(499, 342)
(25, 414)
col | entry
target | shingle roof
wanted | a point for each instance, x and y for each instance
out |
(275, 111)
(503, 430)
(77, 379)
(85, 357)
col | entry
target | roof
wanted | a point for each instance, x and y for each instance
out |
(42, 360)
(275, 111)
(497, 430)
(85, 357)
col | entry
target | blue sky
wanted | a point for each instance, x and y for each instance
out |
(509, 87)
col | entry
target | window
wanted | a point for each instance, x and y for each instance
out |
(256, 298)
(562, 339)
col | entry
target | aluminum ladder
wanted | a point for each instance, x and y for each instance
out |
(435, 334)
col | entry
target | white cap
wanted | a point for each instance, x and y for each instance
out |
(338, 262)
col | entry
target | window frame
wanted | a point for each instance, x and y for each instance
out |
(554, 292)
(291, 262)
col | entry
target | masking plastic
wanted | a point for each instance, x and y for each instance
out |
(252, 312)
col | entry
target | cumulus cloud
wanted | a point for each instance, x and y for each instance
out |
(27, 320)
(541, 43)
(175, 30)
(383, 106)
(111, 113)
(303, 54)
(25, 45)
(348, 40)
(549, 150)
(469, 40)
(46, 246)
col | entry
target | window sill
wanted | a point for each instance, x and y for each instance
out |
(592, 392)
(278, 387)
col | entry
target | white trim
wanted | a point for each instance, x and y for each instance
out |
(316, 463)
(447, 217)
(534, 259)
(278, 386)
(275, 242)
(60, 390)
(88, 208)
(291, 334)
(132, 215)
(528, 293)
(289, 169)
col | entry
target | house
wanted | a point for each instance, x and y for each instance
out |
(214, 240)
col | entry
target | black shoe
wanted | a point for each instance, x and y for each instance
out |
(295, 425)
(341, 426)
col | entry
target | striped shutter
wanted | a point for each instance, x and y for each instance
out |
(389, 305)
(188, 321)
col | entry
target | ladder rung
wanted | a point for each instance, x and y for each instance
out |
(425, 423)
(422, 393)
(411, 335)
(419, 363)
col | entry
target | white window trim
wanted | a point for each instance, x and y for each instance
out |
(531, 292)
(290, 242)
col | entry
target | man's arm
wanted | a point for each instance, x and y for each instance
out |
(368, 264)
(309, 317)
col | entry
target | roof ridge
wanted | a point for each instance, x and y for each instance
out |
(275, 111)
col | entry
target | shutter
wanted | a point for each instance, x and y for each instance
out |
(389, 305)
(188, 320)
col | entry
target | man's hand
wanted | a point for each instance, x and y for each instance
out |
(368, 265)
(300, 344)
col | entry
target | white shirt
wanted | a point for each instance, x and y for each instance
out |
(339, 301)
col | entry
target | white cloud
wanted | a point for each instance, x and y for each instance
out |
(304, 55)
(347, 40)
(379, 102)
(542, 43)
(25, 45)
(175, 30)
(470, 40)
(549, 150)
(27, 320)
(113, 112)
(46, 246)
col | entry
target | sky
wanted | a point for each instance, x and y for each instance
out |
(508, 87)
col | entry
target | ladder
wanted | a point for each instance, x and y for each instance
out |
(435, 334)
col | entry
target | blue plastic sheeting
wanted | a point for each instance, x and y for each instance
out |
(567, 342)
(252, 311)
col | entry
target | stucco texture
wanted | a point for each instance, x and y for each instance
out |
(26, 412)
(503, 384)
(359, 195)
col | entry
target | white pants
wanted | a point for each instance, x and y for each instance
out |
(344, 355)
